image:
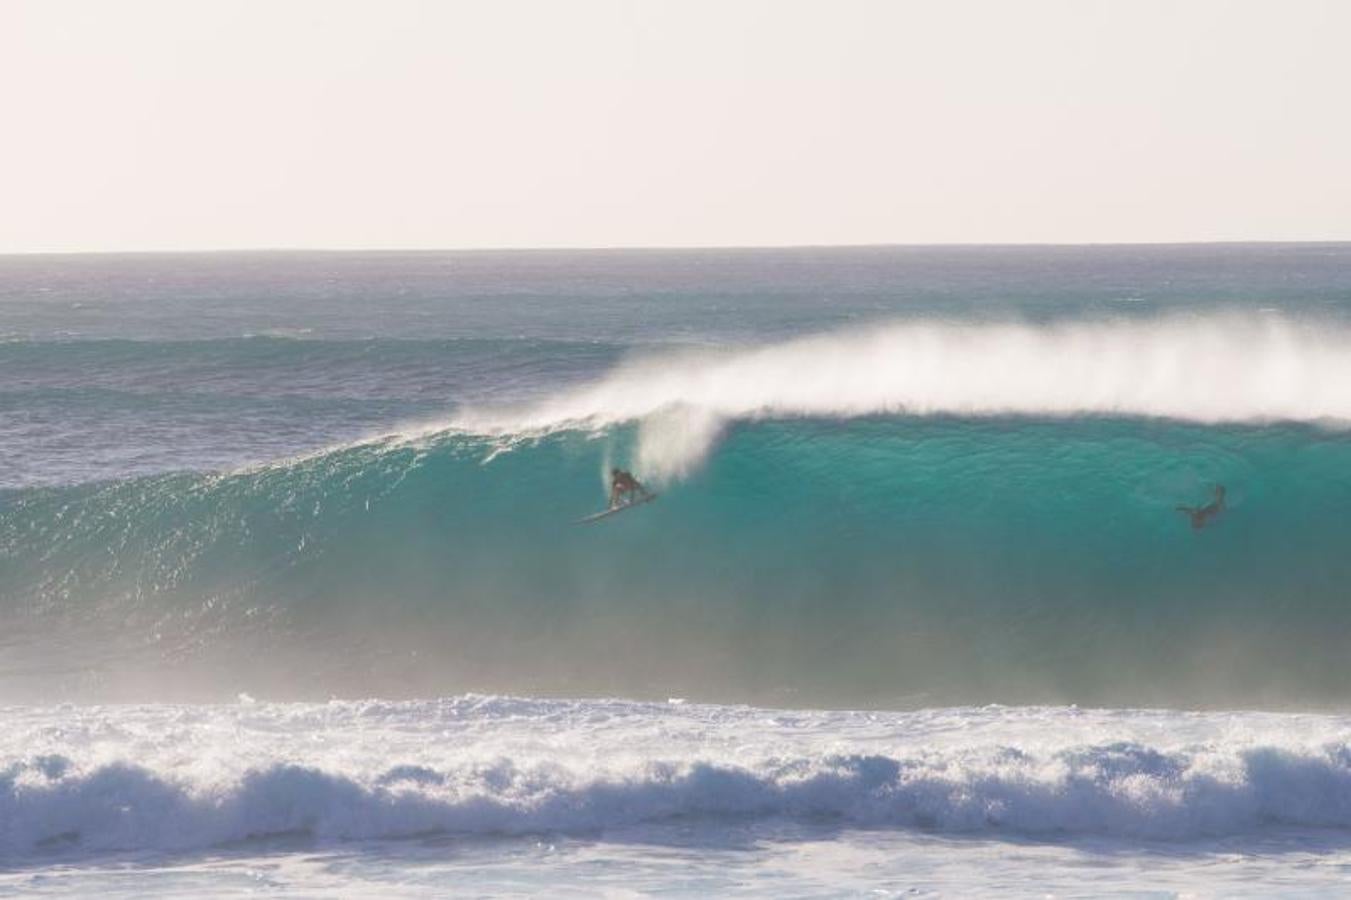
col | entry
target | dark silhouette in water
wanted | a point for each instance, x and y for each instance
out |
(623, 486)
(1201, 516)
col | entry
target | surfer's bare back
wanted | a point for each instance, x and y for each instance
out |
(625, 488)
(1201, 516)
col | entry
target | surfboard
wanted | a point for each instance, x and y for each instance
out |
(605, 513)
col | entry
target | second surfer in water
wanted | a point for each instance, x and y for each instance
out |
(625, 488)
(1201, 516)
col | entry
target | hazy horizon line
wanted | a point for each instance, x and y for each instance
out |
(675, 248)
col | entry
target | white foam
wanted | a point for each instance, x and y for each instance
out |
(1212, 368)
(175, 777)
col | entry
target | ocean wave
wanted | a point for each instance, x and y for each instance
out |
(513, 778)
(843, 557)
(1206, 368)
(939, 561)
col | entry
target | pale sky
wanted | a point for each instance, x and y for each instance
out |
(201, 124)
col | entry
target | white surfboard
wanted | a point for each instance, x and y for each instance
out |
(605, 513)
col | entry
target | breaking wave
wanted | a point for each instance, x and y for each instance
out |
(497, 778)
(924, 514)
(1237, 368)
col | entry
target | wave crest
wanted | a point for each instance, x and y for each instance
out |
(1211, 369)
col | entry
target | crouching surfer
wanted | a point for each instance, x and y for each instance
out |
(625, 489)
(1201, 516)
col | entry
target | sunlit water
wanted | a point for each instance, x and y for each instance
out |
(926, 480)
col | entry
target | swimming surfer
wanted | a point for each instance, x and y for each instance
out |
(624, 487)
(1201, 516)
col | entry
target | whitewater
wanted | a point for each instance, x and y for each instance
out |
(291, 597)
(1213, 368)
(491, 794)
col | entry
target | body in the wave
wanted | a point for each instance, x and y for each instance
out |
(625, 489)
(1201, 516)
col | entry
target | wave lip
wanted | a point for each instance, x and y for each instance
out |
(1214, 368)
(997, 781)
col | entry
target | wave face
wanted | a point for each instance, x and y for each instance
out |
(889, 477)
(877, 560)
(157, 778)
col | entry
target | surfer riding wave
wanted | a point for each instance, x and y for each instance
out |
(625, 489)
(1201, 516)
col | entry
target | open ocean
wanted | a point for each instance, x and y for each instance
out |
(293, 601)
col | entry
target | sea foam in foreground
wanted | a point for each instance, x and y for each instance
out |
(621, 786)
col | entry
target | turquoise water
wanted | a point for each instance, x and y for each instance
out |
(875, 562)
(889, 476)
(293, 594)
